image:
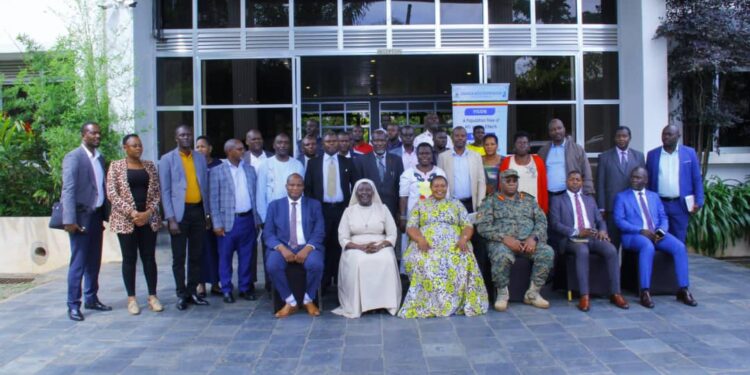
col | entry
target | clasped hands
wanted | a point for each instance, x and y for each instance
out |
(593, 233)
(424, 246)
(517, 246)
(140, 218)
(370, 247)
(291, 257)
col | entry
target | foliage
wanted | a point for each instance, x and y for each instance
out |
(59, 90)
(24, 173)
(706, 39)
(724, 218)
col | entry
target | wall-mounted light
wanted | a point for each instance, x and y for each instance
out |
(468, 73)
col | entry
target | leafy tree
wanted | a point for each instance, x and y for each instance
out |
(707, 38)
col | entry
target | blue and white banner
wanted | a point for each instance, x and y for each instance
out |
(482, 104)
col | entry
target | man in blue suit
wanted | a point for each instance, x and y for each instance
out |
(294, 233)
(643, 223)
(674, 173)
(183, 175)
(234, 216)
(83, 204)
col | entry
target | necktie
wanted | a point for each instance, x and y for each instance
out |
(646, 213)
(331, 179)
(579, 213)
(623, 157)
(381, 167)
(293, 226)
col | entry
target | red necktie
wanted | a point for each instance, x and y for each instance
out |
(579, 213)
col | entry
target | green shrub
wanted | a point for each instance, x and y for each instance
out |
(724, 218)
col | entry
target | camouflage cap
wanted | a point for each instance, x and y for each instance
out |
(509, 173)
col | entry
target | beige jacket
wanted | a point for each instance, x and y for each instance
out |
(476, 174)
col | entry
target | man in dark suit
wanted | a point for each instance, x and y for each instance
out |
(83, 210)
(234, 216)
(330, 180)
(576, 220)
(613, 176)
(183, 175)
(674, 173)
(309, 150)
(294, 233)
(640, 216)
(384, 169)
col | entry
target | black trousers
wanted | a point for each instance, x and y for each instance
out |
(467, 204)
(332, 213)
(188, 243)
(142, 240)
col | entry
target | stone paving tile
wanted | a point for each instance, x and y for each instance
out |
(242, 338)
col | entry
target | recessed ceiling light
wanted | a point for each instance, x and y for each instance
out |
(468, 73)
(372, 61)
(307, 87)
(372, 76)
(370, 94)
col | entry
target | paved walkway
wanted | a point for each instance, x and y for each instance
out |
(37, 337)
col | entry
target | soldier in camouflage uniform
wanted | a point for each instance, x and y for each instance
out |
(514, 225)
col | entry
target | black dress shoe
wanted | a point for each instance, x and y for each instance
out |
(182, 304)
(194, 299)
(75, 315)
(216, 291)
(685, 297)
(96, 305)
(646, 299)
(228, 298)
(249, 295)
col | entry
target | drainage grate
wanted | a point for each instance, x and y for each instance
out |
(15, 280)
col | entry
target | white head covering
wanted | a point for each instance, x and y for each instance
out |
(375, 196)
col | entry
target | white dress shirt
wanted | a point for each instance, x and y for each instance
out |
(256, 160)
(300, 233)
(645, 200)
(242, 202)
(426, 137)
(586, 223)
(409, 159)
(669, 173)
(98, 174)
(339, 196)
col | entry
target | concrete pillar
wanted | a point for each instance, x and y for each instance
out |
(644, 97)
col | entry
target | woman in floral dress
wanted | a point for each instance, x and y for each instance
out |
(444, 275)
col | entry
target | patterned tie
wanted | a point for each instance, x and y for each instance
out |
(623, 158)
(293, 226)
(331, 179)
(646, 212)
(381, 167)
(579, 213)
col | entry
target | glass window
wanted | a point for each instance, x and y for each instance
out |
(556, 11)
(534, 119)
(176, 14)
(599, 11)
(262, 81)
(735, 88)
(600, 123)
(535, 77)
(267, 13)
(364, 12)
(460, 12)
(222, 124)
(174, 81)
(600, 75)
(315, 13)
(166, 123)
(218, 13)
(509, 11)
(412, 12)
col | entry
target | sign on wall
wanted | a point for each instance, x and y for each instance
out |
(482, 104)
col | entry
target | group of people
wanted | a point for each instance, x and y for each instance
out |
(360, 215)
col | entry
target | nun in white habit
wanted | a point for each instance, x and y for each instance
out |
(368, 270)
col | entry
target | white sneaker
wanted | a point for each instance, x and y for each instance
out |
(133, 307)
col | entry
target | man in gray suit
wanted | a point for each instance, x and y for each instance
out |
(613, 176)
(576, 221)
(184, 188)
(235, 219)
(83, 210)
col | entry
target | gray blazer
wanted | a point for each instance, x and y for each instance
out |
(221, 186)
(79, 189)
(575, 160)
(612, 177)
(174, 184)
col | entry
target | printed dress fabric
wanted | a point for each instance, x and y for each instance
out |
(444, 280)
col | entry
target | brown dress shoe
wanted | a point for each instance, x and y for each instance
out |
(619, 301)
(583, 303)
(685, 297)
(646, 299)
(286, 311)
(312, 309)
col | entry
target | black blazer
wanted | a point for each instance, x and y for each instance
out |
(314, 178)
(388, 188)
